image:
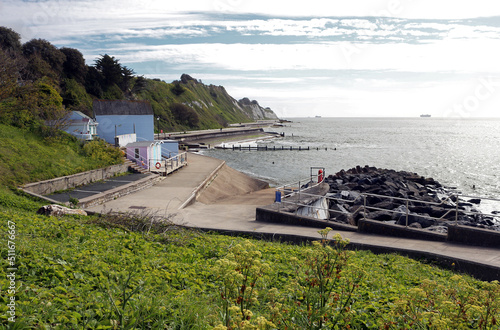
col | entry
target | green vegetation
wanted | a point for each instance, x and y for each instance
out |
(130, 271)
(40, 82)
(28, 157)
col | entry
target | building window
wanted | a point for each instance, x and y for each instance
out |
(137, 153)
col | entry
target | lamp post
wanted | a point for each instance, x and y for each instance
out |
(158, 127)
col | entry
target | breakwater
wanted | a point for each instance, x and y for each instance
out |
(198, 136)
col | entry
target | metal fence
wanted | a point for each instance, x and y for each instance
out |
(293, 195)
(168, 165)
(164, 165)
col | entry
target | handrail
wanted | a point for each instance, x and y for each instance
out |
(142, 161)
(454, 206)
(133, 158)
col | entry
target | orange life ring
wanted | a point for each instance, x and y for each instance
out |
(320, 176)
(158, 165)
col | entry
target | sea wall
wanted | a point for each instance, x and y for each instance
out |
(474, 236)
(188, 137)
(457, 234)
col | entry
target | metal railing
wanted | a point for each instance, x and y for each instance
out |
(294, 194)
(138, 159)
(168, 165)
(163, 165)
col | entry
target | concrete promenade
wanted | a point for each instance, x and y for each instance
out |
(237, 213)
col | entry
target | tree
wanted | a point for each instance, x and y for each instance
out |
(113, 72)
(140, 84)
(9, 72)
(74, 65)
(47, 52)
(177, 89)
(185, 115)
(93, 82)
(110, 70)
(10, 40)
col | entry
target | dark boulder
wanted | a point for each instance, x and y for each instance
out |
(422, 220)
(384, 192)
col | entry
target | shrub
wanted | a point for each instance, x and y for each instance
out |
(184, 114)
(103, 152)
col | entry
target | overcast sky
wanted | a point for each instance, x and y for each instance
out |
(330, 58)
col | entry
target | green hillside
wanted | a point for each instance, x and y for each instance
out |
(41, 82)
(26, 156)
(211, 106)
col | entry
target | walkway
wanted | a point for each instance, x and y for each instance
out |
(238, 213)
(169, 194)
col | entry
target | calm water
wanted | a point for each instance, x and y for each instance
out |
(460, 153)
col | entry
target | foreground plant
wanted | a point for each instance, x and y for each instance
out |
(239, 272)
(321, 294)
(461, 306)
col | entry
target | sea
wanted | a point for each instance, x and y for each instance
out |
(460, 153)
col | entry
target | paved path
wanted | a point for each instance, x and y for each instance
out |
(238, 213)
(169, 194)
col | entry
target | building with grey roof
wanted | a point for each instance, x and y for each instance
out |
(118, 117)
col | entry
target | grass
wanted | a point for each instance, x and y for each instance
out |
(127, 272)
(27, 157)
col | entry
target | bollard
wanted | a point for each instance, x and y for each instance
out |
(277, 198)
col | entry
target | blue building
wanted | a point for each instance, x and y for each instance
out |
(119, 117)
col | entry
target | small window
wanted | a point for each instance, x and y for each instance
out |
(137, 153)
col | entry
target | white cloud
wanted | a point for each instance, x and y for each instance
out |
(250, 59)
(448, 55)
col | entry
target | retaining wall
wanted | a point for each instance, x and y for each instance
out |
(117, 192)
(71, 181)
(480, 271)
(458, 234)
(266, 214)
(388, 229)
(210, 135)
(474, 236)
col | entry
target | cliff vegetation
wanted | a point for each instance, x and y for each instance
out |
(40, 82)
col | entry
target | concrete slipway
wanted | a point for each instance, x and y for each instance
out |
(176, 195)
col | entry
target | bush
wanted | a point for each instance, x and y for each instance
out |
(103, 152)
(185, 115)
(177, 89)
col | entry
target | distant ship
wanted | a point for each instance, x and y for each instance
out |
(318, 116)
(425, 116)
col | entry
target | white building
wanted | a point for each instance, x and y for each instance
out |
(80, 125)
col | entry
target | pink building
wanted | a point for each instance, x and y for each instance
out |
(146, 154)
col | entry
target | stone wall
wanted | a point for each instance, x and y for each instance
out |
(71, 181)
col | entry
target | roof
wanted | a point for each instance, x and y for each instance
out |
(81, 114)
(143, 144)
(121, 107)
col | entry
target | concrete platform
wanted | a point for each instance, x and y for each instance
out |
(237, 214)
(97, 187)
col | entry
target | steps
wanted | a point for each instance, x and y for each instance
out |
(133, 167)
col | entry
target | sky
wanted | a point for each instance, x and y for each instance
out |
(356, 58)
